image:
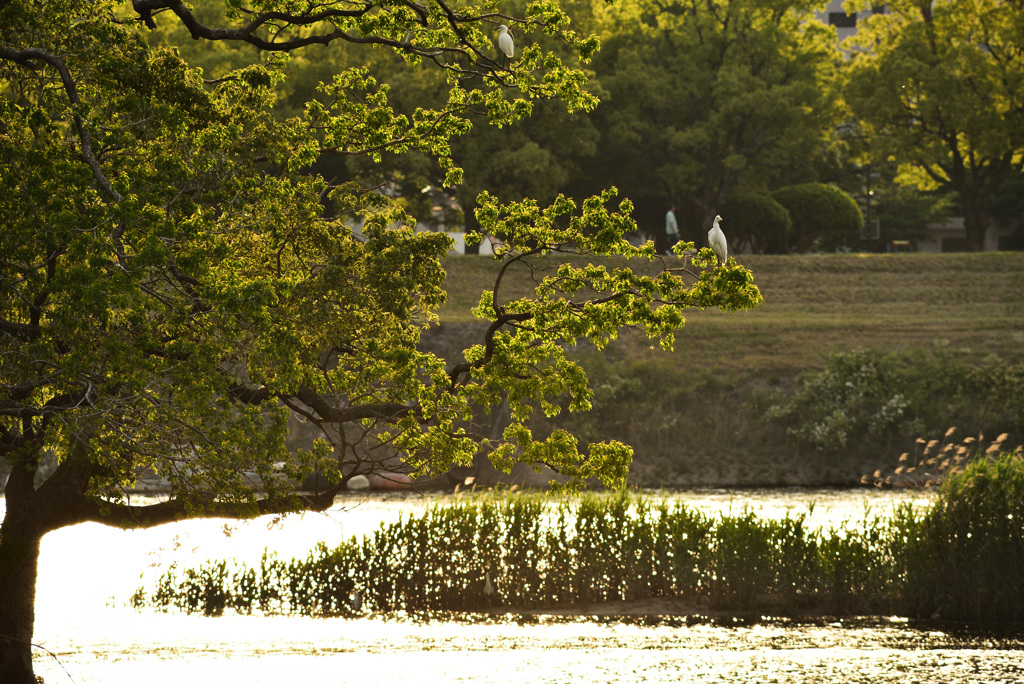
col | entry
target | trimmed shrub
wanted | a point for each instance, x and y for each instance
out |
(756, 221)
(820, 213)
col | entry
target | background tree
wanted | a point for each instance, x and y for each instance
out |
(820, 214)
(175, 280)
(536, 158)
(903, 212)
(762, 225)
(707, 98)
(1008, 210)
(937, 87)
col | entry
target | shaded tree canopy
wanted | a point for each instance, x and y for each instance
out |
(707, 98)
(939, 93)
(176, 280)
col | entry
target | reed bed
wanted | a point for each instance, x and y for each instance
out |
(962, 559)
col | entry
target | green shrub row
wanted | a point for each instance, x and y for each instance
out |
(691, 425)
(963, 558)
(880, 399)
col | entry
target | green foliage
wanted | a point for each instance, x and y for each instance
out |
(705, 99)
(855, 396)
(190, 277)
(762, 225)
(823, 216)
(963, 558)
(904, 212)
(876, 400)
(938, 92)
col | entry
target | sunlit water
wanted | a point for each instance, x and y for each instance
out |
(88, 572)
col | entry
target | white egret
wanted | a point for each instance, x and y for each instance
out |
(716, 238)
(505, 41)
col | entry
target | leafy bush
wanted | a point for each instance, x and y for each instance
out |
(820, 212)
(855, 395)
(882, 400)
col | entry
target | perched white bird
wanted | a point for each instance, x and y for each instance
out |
(716, 238)
(505, 41)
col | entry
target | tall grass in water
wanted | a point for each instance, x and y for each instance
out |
(541, 552)
(964, 557)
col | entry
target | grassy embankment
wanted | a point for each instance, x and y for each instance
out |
(695, 416)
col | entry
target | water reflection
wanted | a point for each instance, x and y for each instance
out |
(541, 650)
(88, 572)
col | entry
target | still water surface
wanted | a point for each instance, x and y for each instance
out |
(87, 574)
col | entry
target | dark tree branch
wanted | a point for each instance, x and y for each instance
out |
(329, 413)
(261, 20)
(22, 331)
(322, 408)
(248, 33)
(459, 370)
(59, 403)
(28, 55)
(35, 310)
(124, 515)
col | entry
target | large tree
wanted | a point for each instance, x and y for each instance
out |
(175, 280)
(704, 99)
(938, 87)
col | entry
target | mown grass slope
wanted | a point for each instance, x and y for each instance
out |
(695, 416)
(813, 305)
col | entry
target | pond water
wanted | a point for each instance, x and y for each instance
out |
(88, 572)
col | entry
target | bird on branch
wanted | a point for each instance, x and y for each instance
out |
(716, 239)
(505, 43)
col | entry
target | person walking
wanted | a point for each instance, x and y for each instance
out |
(671, 228)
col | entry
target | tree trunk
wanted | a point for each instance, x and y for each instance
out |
(976, 224)
(19, 556)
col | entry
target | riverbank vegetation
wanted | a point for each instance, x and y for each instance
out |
(761, 397)
(191, 271)
(962, 558)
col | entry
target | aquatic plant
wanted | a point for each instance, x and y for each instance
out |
(542, 552)
(932, 461)
(964, 557)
